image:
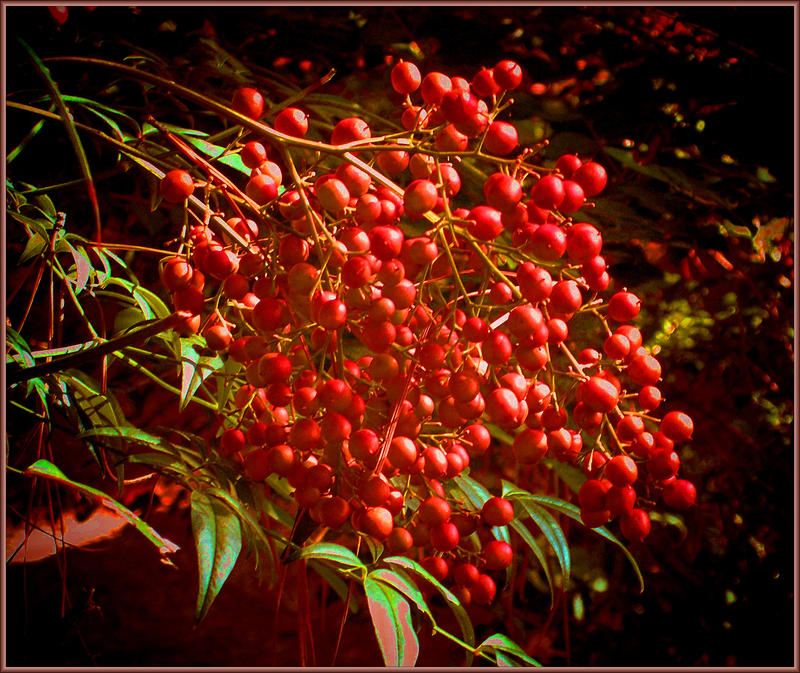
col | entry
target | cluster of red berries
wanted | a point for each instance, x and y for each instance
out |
(371, 360)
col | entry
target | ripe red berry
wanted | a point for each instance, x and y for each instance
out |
(349, 130)
(261, 188)
(592, 177)
(420, 196)
(584, 242)
(405, 77)
(501, 138)
(444, 536)
(434, 510)
(677, 426)
(497, 555)
(248, 102)
(624, 306)
(497, 511)
(507, 75)
(635, 525)
(434, 85)
(548, 192)
(377, 522)
(679, 494)
(530, 446)
(621, 471)
(592, 494)
(176, 186)
(567, 164)
(483, 590)
(253, 154)
(291, 121)
(644, 370)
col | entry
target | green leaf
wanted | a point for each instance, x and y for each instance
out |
(83, 267)
(555, 536)
(526, 536)
(573, 512)
(501, 643)
(46, 205)
(33, 248)
(103, 411)
(195, 368)
(214, 151)
(335, 553)
(402, 582)
(475, 492)
(391, 618)
(45, 469)
(218, 538)
(455, 605)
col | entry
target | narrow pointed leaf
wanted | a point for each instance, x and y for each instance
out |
(45, 469)
(391, 618)
(195, 368)
(335, 553)
(555, 536)
(403, 583)
(218, 538)
(455, 605)
(573, 512)
(501, 643)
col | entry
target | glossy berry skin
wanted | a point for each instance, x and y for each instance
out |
(349, 130)
(679, 494)
(262, 189)
(548, 192)
(434, 85)
(636, 525)
(253, 154)
(405, 77)
(249, 102)
(507, 75)
(501, 138)
(624, 306)
(677, 426)
(420, 196)
(176, 186)
(592, 494)
(444, 536)
(291, 121)
(497, 511)
(497, 555)
(592, 177)
(483, 590)
(621, 471)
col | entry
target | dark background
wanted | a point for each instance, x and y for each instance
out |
(721, 595)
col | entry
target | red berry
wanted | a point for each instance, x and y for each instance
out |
(434, 510)
(501, 138)
(592, 494)
(434, 85)
(444, 536)
(548, 192)
(349, 130)
(253, 154)
(483, 590)
(405, 77)
(624, 306)
(677, 426)
(635, 525)
(679, 494)
(507, 75)
(497, 555)
(497, 511)
(420, 196)
(621, 471)
(291, 121)
(592, 177)
(248, 102)
(176, 186)
(262, 189)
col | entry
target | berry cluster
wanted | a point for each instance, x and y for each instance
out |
(383, 326)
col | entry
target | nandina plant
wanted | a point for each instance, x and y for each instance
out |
(395, 326)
